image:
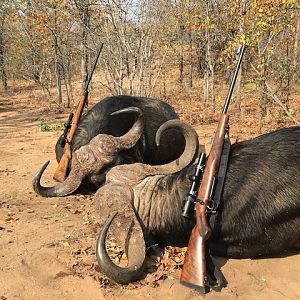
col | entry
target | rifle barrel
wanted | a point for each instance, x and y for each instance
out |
(241, 51)
(94, 67)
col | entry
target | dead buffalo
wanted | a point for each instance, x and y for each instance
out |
(102, 121)
(259, 214)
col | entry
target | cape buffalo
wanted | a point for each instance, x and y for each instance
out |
(102, 119)
(259, 213)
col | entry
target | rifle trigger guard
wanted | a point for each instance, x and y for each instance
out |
(210, 206)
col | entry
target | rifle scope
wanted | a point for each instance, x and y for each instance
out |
(63, 138)
(189, 202)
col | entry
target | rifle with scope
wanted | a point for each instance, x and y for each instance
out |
(70, 128)
(198, 201)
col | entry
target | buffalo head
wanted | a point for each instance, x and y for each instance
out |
(99, 155)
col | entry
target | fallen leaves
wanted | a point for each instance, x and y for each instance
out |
(168, 266)
(79, 242)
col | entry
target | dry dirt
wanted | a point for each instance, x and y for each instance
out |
(47, 244)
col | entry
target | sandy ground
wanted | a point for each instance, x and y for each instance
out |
(47, 245)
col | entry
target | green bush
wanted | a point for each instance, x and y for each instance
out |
(44, 126)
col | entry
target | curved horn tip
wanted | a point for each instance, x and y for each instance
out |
(37, 177)
(42, 169)
(130, 109)
(62, 189)
(129, 139)
(106, 226)
(189, 153)
(45, 165)
(118, 274)
(165, 126)
(157, 141)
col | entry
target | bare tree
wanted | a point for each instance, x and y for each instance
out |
(3, 75)
(84, 15)
(132, 31)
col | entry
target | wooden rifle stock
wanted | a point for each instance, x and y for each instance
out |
(193, 273)
(194, 269)
(62, 168)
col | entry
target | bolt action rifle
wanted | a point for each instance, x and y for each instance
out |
(70, 128)
(194, 271)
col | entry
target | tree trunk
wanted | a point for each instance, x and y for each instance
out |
(67, 80)
(288, 76)
(181, 58)
(296, 45)
(84, 49)
(264, 101)
(210, 71)
(57, 63)
(2, 65)
(191, 58)
(57, 79)
(201, 58)
(206, 87)
(237, 97)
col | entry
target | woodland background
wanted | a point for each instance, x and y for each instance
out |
(182, 51)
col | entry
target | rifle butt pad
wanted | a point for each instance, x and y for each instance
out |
(202, 289)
